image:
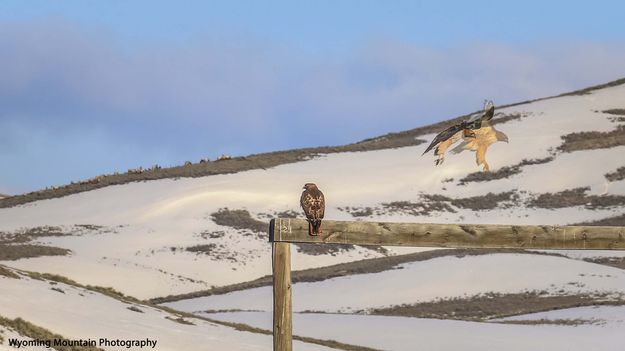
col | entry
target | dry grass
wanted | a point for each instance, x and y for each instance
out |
(29, 234)
(135, 309)
(180, 320)
(615, 111)
(495, 305)
(5, 272)
(204, 248)
(358, 211)
(569, 322)
(18, 251)
(610, 221)
(503, 172)
(576, 197)
(617, 175)
(108, 291)
(618, 262)
(213, 251)
(32, 331)
(484, 202)
(589, 90)
(593, 140)
(430, 203)
(318, 250)
(617, 114)
(241, 220)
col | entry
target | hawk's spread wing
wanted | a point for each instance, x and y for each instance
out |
(444, 135)
(444, 145)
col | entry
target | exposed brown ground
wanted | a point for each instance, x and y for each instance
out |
(32, 331)
(617, 114)
(241, 220)
(17, 251)
(610, 221)
(593, 140)
(430, 203)
(617, 262)
(617, 175)
(484, 202)
(615, 111)
(576, 197)
(571, 322)
(503, 172)
(8, 273)
(495, 305)
(16, 245)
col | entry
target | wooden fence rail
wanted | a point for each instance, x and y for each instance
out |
(283, 231)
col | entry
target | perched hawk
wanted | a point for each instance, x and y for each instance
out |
(314, 205)
(463, 130)
(483, 139)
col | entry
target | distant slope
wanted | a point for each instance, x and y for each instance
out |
(267, 160)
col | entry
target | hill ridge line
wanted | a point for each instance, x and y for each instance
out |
(262, 160)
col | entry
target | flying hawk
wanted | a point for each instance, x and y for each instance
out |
(462, 130)
(484, 138)
(314, 205)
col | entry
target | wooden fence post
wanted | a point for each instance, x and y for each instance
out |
(282, 309)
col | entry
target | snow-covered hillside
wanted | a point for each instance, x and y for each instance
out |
(172, 236)
(78, 313)
(402, 334)
(151, 223)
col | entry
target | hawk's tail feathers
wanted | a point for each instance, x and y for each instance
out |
(316, 227)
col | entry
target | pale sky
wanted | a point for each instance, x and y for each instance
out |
(93, 87)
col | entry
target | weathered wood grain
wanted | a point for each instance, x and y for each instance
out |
(451, 235)
(282, 308)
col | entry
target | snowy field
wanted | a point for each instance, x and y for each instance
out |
(409, 334)
(444, 277)
(77, 313)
